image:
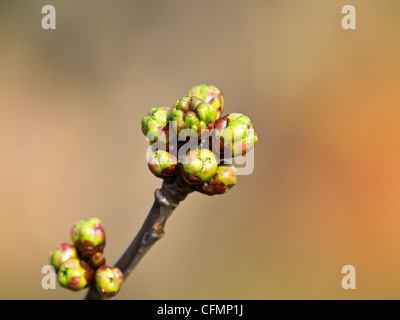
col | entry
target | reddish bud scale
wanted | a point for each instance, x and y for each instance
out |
(218, 144)
(190, 179)
(87, 249)
(221, 182)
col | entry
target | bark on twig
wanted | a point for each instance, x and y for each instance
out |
(166, 200)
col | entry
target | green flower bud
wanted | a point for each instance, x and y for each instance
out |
(154, 125)
(221, 182)
(162, 164)
(209, 94)
(234, 135)
(199, 166)
(75, 274)
(97, 260)
(108, 280)
(195, 114)
(89, 237)
(63, 252)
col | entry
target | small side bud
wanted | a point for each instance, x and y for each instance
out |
(199, 166)
(154, 125)
(63, 252)
(75, 274)
(221, 182)
(162, 164)
(234, 135)
(97, 260)
(108, 280)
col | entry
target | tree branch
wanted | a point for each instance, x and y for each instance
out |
(167, 198)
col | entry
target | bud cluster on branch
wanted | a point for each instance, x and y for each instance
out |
(192, 139)
(82, 263)
(191, 149)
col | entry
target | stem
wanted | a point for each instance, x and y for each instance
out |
(166, 200)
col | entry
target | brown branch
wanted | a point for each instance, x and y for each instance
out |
(166, 200)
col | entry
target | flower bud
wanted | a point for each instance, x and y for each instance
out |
(63, 252)
(234, 135)
(89, 237)
(154, 125)
(75, 274)
(195, 114)
(108, 280)
(221, 182)
(97, 260)
(162, 164)
(209, 94)
(198, 166)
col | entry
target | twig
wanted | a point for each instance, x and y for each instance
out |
(166, 200)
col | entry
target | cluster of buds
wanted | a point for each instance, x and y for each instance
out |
(82, 264)
(193, 140)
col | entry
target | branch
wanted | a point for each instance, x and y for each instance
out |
(166, 200)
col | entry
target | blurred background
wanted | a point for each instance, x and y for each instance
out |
(325, 103)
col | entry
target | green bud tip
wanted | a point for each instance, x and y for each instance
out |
(63, 252)
(89, 237)
(108, 280)
(154, 125)
(75, 274)
(198, 166)
(209, 94)
(195, 114)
